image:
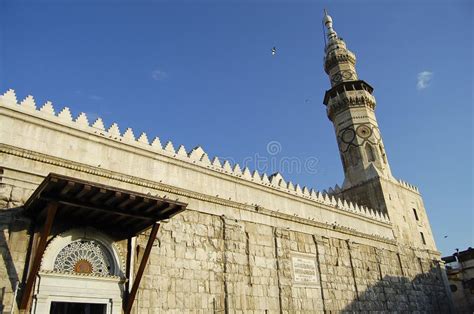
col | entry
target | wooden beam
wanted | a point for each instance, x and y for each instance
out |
(107, 219)
(141, 204)
(166, 209)
(130, 199)
(100, 193)
(85, 190)
(91, 215)
(118, 219)
(51, 210)
(141, 269)
(112, 199)
(97, 208)
(151, 207)
(68, 187)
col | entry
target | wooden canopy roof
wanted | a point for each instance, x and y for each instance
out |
(83, 203)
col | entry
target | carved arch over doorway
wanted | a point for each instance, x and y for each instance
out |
(67, 249)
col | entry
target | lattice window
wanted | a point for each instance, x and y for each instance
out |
(84, 257)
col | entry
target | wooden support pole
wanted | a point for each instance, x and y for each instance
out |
(50, 213)
(141, 269)
(128, 271)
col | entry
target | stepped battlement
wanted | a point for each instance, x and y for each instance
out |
(196, 156)
(408, 186)
(337, 189)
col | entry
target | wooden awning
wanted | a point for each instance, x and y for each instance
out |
(120, 212)
(73, 202)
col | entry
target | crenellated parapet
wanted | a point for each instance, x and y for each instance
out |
(334, 58)
(336, 193)
(408, 186)
(196, 156)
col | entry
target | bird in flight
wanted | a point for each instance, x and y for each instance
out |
(274, 51)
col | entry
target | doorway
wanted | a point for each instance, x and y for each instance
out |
(77, 308)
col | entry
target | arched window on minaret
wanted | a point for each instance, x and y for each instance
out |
(382, 152)
(370, 152)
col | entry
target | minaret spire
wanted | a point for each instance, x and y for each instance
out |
(338, 60)
(331, 33)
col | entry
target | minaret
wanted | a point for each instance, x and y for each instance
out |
(350, 107)
(368, 180)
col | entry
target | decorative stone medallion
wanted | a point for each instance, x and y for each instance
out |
(347, 75)
(348, 136)
(84, 257)
(83, 267)
(364, 131)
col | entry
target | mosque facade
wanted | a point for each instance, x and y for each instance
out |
(97, 219)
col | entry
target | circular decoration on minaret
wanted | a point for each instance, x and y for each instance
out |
(347, 136)
(337, 77)
(364, 131)
(347, 75)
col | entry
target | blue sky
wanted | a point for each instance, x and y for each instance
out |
(201, 73)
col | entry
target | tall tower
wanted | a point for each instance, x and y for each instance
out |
(350, 107)
(368, 179)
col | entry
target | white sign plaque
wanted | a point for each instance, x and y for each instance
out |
(304, 270)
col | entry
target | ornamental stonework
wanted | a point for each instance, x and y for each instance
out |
(84, 257)
(357, 135)
(334, 59)
(342, 104)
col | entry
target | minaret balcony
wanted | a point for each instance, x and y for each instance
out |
(348, 94)
(344, 88)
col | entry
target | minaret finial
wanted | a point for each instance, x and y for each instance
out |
(327, 21)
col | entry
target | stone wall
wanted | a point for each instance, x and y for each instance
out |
(205, 263)
(14, 241)
(400, 201)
